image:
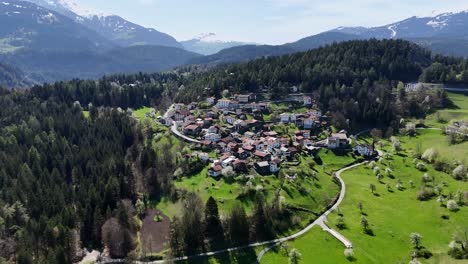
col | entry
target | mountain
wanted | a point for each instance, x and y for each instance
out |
(208, 44)
(448, 25)
(320, 40)
(115, 28)
(251, 52)
(51, 65)
(26, 25)
(243, 53)
(12, 77)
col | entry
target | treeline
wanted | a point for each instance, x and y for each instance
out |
(355, 81)
(201, 228)
(124, 91)
(446, 70)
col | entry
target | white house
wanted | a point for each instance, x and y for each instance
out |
(307, 100)
(228, 162)
(338, 140)
(309, 123)
(284, 118)
(275, 166)
(211, 100)
(365, 150)
(223, 103)
(213, 137)
(293, 118)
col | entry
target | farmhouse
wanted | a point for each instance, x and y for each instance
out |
(338, 140)
(364, 150)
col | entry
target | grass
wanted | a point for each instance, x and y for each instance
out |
(395, 215)
(435, 139)
(458, 112)
(140, 114)
(317, 246)
(86, 114)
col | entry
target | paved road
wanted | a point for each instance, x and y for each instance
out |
(175, 130)
(272, 243)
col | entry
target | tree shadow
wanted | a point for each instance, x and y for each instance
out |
(376, 195)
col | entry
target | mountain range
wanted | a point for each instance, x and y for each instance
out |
(48, 40)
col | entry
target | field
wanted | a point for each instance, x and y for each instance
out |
(393, 215)
(458, 112)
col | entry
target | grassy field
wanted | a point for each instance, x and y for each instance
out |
(458, 112)
(435, 139)
(317, 246)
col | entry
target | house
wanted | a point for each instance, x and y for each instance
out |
(240, 165)
(229, 119)
(204, 156)
(364, 150)
(213, 137)
(242, 154)
(180, 115)
(228, 162)
(223, 103)
(272, 143)
(304, 133)
(244, 98)
(315, 113)
(275, 165)
(284, 117)
(309, 123)
(307, 100)
(211, 100)
(213, 129)
(263, 167)
(179, 106)
(262, 155)
(338, 140)
(192, 130)
(215, 171)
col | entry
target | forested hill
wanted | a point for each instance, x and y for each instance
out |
(12, 77)
(354, 78)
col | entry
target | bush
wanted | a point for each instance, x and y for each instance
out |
(425, 194)
(228, 172)
(452, 206)
(459, 173)
(430, 155)
(376, 170)
(349, 254)
(421, 166)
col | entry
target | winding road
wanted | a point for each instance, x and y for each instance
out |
(175, 130)
(320, 221)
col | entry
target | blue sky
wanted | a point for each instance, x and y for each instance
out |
(267, 21)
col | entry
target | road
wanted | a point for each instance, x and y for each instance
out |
(321, 221)
(175, 130)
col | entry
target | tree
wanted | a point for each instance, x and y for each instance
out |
(213, 226)
(416, 239)
(340, 222)
(238, 225)
(176, 237)
(360, 207)
(192, 221)
(294, 256)
(380, 177)
(261, 227)
(459, 172)
(452, 206)
(365, 224)
(376, 134)
(372, 187)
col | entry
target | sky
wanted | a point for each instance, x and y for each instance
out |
(267, 21)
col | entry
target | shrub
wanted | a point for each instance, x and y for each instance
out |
(372, 165)
(228, 172)
(452, 206)
(421, 166)
(425, 194)
(349, 254)
(410, 129)
(340, 223)
(376, 170)
(459, 173)
(430, 155)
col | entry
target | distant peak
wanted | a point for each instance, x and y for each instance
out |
(75, 7)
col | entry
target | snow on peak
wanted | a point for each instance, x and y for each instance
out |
(76, 8)
(210, 38)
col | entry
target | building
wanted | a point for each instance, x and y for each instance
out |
(262, 155)
(192, 130)
(223, 103)
(211, 100)
(228, 162)
(180, 115)
(263, 167)
(307, 100)
(215, 171)
(365, 150)
(275, 166)
(309, 123)
(338, 140)
(179, 106)
(244, 98)
(284, 117)
(213, 137)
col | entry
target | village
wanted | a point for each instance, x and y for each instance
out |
(243, 133)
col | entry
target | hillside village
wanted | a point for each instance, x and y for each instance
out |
(244, 133)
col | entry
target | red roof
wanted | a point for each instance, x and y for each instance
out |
(261, 154)
(217, 168)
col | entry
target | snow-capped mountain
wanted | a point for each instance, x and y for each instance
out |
(209, 43)
(113, 27)
(447, 25)
(26, 25)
